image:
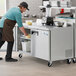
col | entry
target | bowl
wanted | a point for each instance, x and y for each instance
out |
(28, 22)
(59, 24)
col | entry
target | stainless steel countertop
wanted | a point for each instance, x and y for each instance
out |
(41, 27)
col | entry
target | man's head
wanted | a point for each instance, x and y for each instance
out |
(23, 6)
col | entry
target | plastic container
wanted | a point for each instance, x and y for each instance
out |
(26, 46)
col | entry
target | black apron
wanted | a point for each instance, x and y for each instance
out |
(7, 34)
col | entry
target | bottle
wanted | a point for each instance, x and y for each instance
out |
(69, 4)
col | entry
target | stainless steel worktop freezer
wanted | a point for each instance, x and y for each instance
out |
(51, 43)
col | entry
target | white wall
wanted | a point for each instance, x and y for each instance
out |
(33, 5)
(2, 7)
(74, 2)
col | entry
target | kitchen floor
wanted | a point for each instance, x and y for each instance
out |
(29, 66)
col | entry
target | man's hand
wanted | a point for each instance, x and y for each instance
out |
(28, 36)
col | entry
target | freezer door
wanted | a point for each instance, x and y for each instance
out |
(61, 43)
(40, 44)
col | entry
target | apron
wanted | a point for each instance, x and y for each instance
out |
(7, 34)
(1, 30)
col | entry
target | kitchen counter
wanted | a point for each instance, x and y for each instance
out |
(41, 27)
(35, 26)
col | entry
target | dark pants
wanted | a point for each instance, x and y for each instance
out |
(9, 48)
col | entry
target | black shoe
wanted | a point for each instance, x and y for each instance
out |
(11, 60)
(1, 58)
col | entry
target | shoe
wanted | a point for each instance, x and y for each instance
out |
(11, 60)
(1, 58)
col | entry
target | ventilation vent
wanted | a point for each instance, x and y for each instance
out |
(68, 53)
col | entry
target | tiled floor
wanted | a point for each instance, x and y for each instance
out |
(29, 66)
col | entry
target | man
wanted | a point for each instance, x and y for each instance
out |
(7, 24)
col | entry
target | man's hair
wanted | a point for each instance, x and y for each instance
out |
(20, 6)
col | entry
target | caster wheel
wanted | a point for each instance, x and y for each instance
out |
(68, 61)
(20, 55)
(49, 64)
(74, 60)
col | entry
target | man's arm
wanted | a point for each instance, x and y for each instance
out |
(23, 31)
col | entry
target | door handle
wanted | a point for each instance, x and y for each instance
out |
(34, 32)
